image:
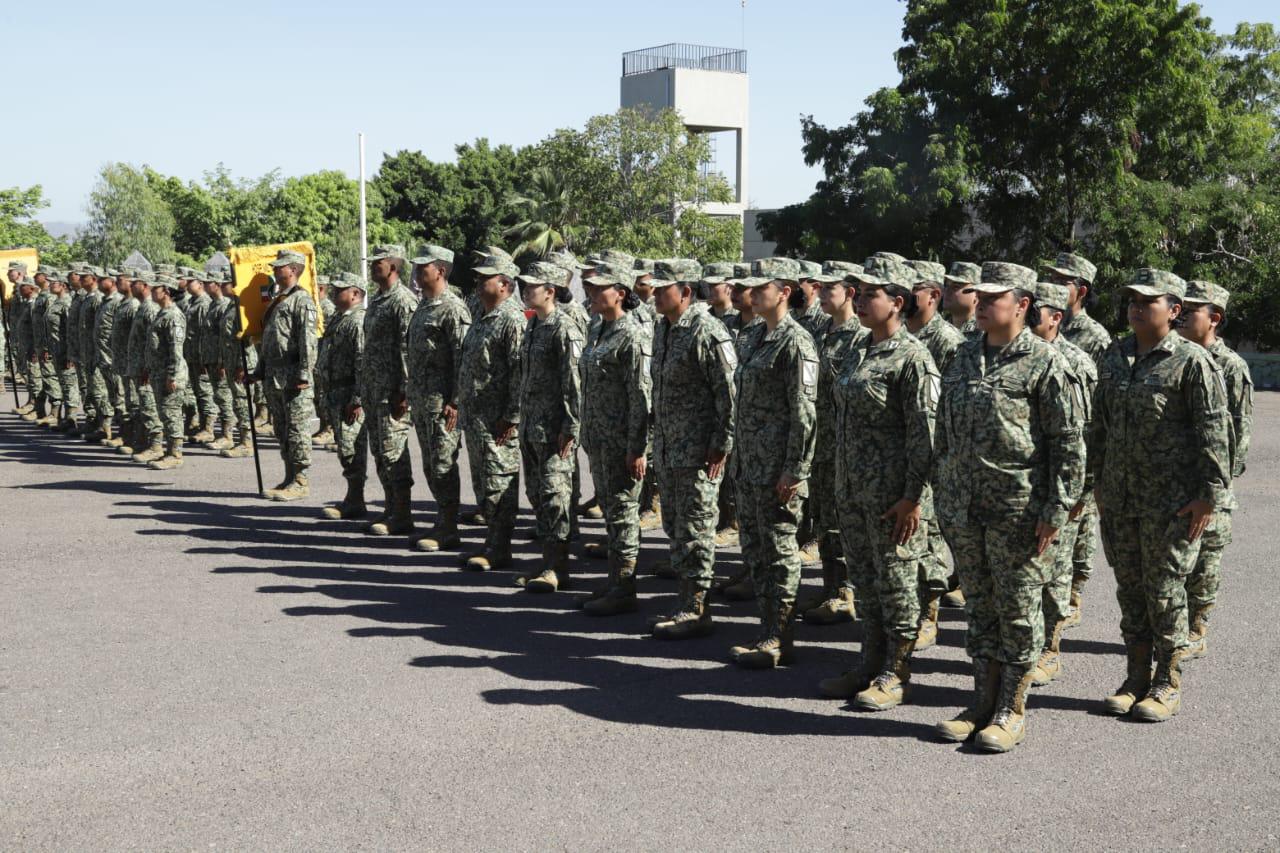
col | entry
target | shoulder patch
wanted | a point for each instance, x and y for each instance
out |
(575, 346)
(808, 372)
(728, 356)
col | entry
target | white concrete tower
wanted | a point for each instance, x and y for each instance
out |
(707, 86)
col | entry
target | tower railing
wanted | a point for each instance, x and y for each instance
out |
(676, 55)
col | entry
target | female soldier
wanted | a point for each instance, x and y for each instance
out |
(550, 400)
(884, 399)
(1009, 467)
(1160, 454)
(615, 427)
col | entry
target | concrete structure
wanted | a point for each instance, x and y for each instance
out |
(754, 245)
(707, 86)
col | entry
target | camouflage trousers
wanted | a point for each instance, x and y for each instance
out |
(104, 388)
(1151, 557)
(822, 497)
(439, 449)
(1057, 593)
(886, 574)
(147, 410)
(69, 382)
(49, 381)
(1086, 539)
(169, 409)
(689, 515)
(239, 402)
(351, 439)
(84, 390)
(767, 534)
(129, 396)
(200, 392)
(322, 394)
(935, 565)
(291, 411)
(619, 497)
(389, 444)
(1203, 582)
(220, 385)
(1003, 581)
(495, 475)
(34, 376)
(548, 483)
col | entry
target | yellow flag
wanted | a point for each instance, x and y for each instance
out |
(28, 256)
(252, 272)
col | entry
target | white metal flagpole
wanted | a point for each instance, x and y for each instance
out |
(364, 222)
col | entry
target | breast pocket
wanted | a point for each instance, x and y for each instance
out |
(1009, 399)
(1150, 398)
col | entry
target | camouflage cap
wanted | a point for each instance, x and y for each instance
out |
(219, 276)
(1149, 281)
(288, 256)
(383, 251)
(167, 281)
(1002, 276)
(20, 266)
(131, 272)
(717, 273)
(814, 271)
(1050, 295)
(1073, 266)
(322, 279)
(166, 269)
(544, 272)
(491, 265)
(1207, 292)
(930, 272)
(777, 269)
(44, 269)
(188, 272)
(619, 258)
(677, 271)
(146, 277)
(839, 269)
(751, 281)
(566, 260)
(431, 254)
(592, 261)
(884, 268)
(56, 276)
(645, 266)
(91, 270)
(27, 281)
(963, 272)
(607, 274)
(78, 266)
(347, 279)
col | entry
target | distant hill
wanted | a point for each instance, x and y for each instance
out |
(63, 229)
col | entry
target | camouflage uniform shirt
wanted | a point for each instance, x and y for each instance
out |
(289, 340)
(615, 386)
(384, 369)
(435, 334)
(550, 387)
(489, 373)
(693, 391)
(776, 417)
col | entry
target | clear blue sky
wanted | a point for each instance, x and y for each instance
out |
(150, 82)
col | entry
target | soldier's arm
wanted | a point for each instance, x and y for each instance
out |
(404, 315)
(1205, 394)
(1060, 417)
(304, 333)
(512, 336)
(632, 358)
(1241, 405)
(456, 329)
(177, 333)
(570, 381)
(801, 373)
(919, 404)
(718, 360)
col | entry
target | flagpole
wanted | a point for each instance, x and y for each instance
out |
(364, 222)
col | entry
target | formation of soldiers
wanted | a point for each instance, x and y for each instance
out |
(889, 420)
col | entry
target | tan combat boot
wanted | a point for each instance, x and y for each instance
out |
(1198, 635)
(1137, 680)
(889, 686)
(172, 457)
(399, 517)
(26, 407)
(691, 619)
(351, 505)
(740, 587)
(848, 684)
(651, 518)
(133, 438)
(776, 645)
(986, 685)
(555, 569)
(224, 441)
(596, 550)
(621, 597)
(1077, 596)
(444, 533)
(601, 591)
(299, 487)
(928, 637)
(727, 536)
(1165, 696)
(665, 569)
(1009, 723)
(205, 433)
(1049, 666)
(838, 607)
(242, 448)
(475, 518)
(591, 509)
(154, 451)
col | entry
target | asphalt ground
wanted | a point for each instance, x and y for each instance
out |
(186, 665)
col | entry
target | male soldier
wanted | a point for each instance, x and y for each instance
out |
(808, 309)
(942, 340)
(383, 389)
(58, 337)
(693, 405)
(198, 302)
(81, 284)
(16, 273)
(23, 344)
(323, 436)
(50, 397)
(146, 445)
(167, 369)
(1077, 274)
(121, 327)
(211, 365)
(239, 359)
(960, 302)
(339, 364)
(489, 405)
(646, 315)
(773, 442)
(434, 351)
(1204, 314)
(1051, 306)
(94, 294)
(717, 292)
(102, 378)
(288, 359)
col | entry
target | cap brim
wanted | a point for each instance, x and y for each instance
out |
(956, 280)
(602, 281)
(989, 287)
(531, 279)
(864, 278)
(655, 283)
(751, 282)
(1067, 273)
(1143, 290)
(486, 271)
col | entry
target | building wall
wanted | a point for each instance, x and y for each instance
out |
(754, 246)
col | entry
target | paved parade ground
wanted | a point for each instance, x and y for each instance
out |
(185, 665)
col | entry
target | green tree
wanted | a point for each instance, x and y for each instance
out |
(544, 218)
(19, 227)
(127, 214)
(324, 209)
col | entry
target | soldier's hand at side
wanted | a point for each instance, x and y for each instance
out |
(302, 386)
(1201, 513)
(786, 488)
(906, 520)
(636, 466)
(399, 406)
(352, 412)
(170, 386)
(503, 432)
(222, 373)
(240, 375)
(1045, 534)
(146, 377)
(566, 446)
(715, 463)
(450, 413)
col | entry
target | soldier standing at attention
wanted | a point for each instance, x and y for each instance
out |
(198, 303)
(288, 360)
(323, 436)
(102, 377)
(167, 369)
(1203, 316)
(1009, 467)
(23, 346)
(77, 282)
(1078, 275)
(220, 375)
(615, 427)
(550, 416)
(1160, 451)
(434, 350)
(808, 308)
(773, 452)
(339, 363)
(50, 401)
(489, 405)
(960, 304)
(693, 406)
(147, 445)
(240, 359)
(90, 297)
(121, 327)
(58, 340)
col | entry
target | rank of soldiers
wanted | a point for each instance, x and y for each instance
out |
(928, 435)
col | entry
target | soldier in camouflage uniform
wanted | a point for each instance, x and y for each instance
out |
(220, 376)
(777, 386)
(1160, 451)
(382, 392)
(650, 505)
(338, 363)
(575, 311)
(550, 416)
(103, 383)
(287, 368)
(24, 346)
(961, 305)
(323, 436)
(693, 406)
(50, 399)
(1009, 467)
(147, 444)
(240, 360)
(91, 296)
(615, 426)
(884, 399)
(59, 335)
(121, 327)
(716, 291)
(1049, 311)
(167, 369)
(489, 375)
(1204, 312)
(434, 349)
(78, 282)
(199, 304)
(1078, 275)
